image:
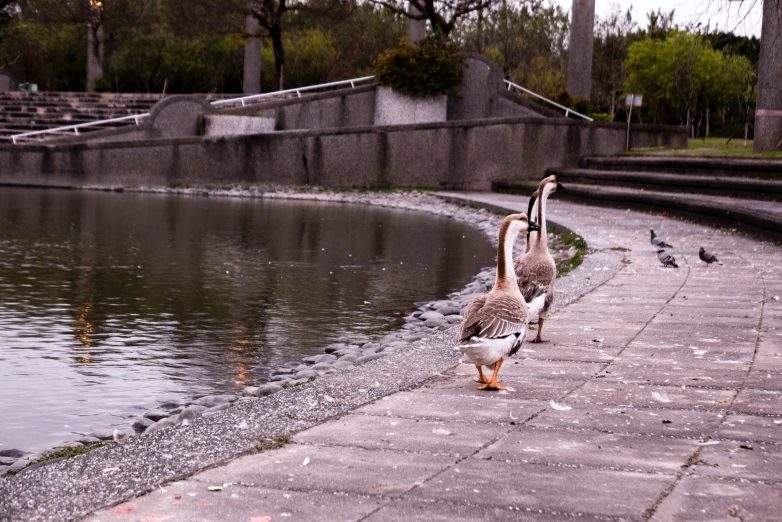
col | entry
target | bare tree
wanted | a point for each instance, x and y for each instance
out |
(443, 15)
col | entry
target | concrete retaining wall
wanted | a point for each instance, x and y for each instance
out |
(329, 110)
(460, 155)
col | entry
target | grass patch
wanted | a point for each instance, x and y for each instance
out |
(712, 147)
(273, 444)
(565, 240)
(63, 453)
(178, 185)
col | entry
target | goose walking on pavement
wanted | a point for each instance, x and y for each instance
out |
(494, 324)
(536, 268)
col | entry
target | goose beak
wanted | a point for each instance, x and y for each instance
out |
(560, 186)
(533, 227)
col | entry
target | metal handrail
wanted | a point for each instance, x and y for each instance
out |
(297, 90)
(243, 100)
(567, 110)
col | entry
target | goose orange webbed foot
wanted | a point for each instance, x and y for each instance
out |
(492, 384)
(481, 377)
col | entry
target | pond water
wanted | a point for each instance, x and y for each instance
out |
(112, 303)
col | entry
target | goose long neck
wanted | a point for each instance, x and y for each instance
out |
(532, 237)
(506, 276)
(542, 238)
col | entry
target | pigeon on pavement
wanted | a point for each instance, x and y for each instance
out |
(659, 243)
(707, 257)
(666, 259)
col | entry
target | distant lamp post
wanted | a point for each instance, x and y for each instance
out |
(632, 100)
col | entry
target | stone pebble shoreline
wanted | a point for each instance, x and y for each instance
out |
(430, 317)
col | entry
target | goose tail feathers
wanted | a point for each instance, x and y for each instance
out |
(537, 301)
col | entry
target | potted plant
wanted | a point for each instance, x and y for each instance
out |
(414, 82)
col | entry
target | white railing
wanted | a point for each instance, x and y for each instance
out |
(68, 129)
(567, 110)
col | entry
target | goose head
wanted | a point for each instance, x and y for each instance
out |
(550, 185)
(516, 224)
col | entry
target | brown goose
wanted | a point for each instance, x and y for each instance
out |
(495, 323)
(536, 268)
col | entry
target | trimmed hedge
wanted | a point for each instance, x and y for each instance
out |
(423, 70)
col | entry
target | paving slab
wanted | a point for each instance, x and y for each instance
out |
(708, 499)
(670, 372)
(431, 404)
(500, 483)
(740, 460)
(354, 470)
(750, 428)
(652, 396)
(436, 511)
(191, 501)
(759, 402)
(592, 449)
(397, 433)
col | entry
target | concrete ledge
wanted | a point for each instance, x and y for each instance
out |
(456, 154)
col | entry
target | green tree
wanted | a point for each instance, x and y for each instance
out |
(526, 38)
(683, 79)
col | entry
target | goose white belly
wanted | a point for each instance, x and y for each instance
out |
(483, 351)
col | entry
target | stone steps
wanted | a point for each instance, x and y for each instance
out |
(26, 112)
(748, 168)
(763, 218)
(726, 191)
(731, 186)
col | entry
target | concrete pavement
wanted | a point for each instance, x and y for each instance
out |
(659, 397)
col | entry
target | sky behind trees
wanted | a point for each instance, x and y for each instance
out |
(741, 18)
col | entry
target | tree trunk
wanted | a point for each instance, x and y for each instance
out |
(707, 122)
(580, 48)
(416, 29)
(279, 57)
(251, 81)
(768, 115)
(94, 54)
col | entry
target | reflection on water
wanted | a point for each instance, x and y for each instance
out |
(110, 302)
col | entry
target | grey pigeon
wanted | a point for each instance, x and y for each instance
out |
(659, 243)
(666, 259)
(707, 257)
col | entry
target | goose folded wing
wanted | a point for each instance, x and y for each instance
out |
(497, 317)
(524, 278)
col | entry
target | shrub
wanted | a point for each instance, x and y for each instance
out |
(425, 69)
(101, 85)
(601, 116)
(581, 105)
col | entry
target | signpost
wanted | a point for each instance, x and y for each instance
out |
(632, 100)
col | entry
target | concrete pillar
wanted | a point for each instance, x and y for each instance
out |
(416, 29)
(94, 54)
(582, 29)
(768, 112)
(251, 84)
